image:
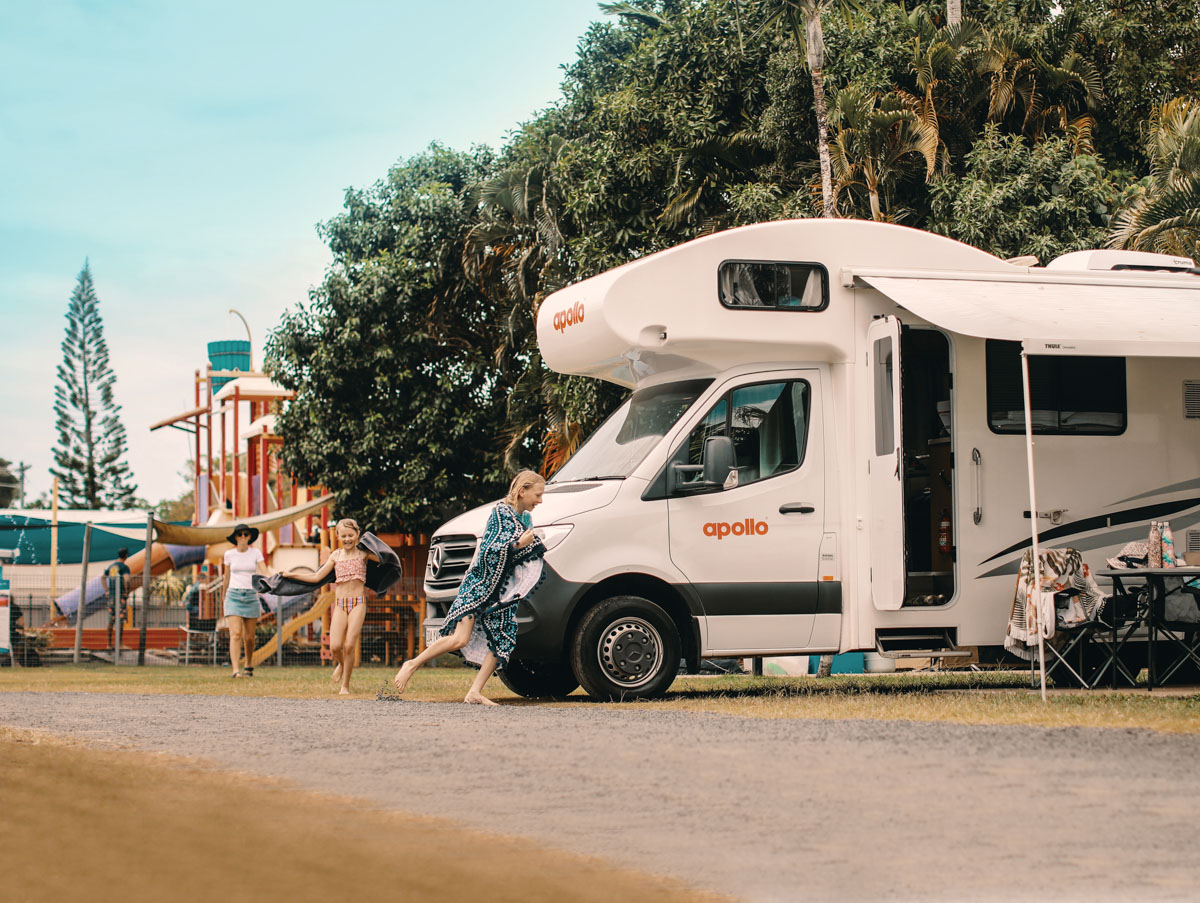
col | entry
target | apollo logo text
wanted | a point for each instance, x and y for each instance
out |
(747, 527)
(569, 317)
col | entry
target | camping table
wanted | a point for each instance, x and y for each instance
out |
(1147, 607)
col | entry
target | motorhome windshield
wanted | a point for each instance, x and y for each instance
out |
(626, 437)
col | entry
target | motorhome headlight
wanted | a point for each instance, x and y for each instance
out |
(553, 534)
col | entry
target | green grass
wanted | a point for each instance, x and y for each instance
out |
(961, 697)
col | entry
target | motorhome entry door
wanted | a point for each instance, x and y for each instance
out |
(750, 549)
(885, 480)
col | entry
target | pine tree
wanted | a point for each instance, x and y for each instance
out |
(91, 439)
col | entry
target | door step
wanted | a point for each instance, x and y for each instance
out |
(922, 642)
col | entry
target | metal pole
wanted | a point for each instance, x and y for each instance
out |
(279, 631)
(145, 586)
(87, 551)
(1035, 599)
(118, 613)
(53, 549)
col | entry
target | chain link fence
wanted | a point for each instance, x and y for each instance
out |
(180, 621)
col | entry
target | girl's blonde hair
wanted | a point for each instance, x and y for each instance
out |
(348, 522)
(521, 482)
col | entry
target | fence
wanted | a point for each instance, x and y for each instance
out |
(180, 622)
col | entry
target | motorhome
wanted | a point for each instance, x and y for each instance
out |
(823, 448)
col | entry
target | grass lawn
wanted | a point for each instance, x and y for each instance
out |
(962, 697)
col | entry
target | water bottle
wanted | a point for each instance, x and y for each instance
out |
(1154, 549)
(1170, 559)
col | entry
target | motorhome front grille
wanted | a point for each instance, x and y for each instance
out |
(449, 558)
(1191, 399)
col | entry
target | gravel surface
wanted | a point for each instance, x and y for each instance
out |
(766, 810)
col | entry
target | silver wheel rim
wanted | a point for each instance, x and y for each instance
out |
(631, 652)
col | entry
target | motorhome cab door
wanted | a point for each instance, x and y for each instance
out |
(885, 478)
(750, 549)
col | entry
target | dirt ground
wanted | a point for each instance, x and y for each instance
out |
(764, 810)
(102, 825)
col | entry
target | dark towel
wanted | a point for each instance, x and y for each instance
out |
(379, 576)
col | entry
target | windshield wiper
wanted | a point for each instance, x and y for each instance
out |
(611, 476)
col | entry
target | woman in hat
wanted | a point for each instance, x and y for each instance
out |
(241, 601)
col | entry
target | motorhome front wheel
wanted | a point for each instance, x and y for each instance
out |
(626, 647)
(539, 679)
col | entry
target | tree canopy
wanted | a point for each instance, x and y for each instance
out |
(1030, 127)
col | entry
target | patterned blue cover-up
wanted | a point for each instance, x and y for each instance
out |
(500, 576)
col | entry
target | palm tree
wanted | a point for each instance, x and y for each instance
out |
(803, 17)
(516, 249)
(1164, 215)
(1050, 79)
(878, 139)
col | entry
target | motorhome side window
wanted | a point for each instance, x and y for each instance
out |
(768, 423)
(1073, 396)
(770, 285)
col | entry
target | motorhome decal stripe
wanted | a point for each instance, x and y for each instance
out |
(1174, 487)
(810, 598)
(1101, 522)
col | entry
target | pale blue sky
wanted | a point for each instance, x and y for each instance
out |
(188, 150)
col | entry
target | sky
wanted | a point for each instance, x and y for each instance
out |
(187, 152)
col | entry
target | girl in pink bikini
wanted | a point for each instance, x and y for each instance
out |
(349, 566)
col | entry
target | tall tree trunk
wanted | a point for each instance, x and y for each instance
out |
(818, 83)
(953, 12)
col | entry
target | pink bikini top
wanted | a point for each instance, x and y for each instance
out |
(350, 569)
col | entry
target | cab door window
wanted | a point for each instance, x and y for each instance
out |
(768, 423)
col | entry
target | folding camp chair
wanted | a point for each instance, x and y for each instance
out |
(1182, 637)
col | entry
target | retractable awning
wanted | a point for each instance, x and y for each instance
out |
(1056, 313)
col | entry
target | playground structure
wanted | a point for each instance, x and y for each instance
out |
(238, 477)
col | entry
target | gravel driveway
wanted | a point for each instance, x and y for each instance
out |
(766, 810)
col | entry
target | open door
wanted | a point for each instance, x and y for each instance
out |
(885, 481)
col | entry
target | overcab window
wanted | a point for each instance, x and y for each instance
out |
(770, 285)
(1069, 396)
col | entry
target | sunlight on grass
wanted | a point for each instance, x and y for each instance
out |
(959, 697)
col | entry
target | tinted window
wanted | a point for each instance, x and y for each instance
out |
(768, 423)
(1083, 396)
(885, 394)
(772, 286)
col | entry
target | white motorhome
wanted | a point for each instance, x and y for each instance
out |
(824, 448)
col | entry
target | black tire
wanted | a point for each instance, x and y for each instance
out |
(625, 648)
(539, 680)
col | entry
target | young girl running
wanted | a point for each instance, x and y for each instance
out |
(507, 568)
(349, 565)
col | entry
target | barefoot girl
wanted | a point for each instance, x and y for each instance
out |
(507, 568)
(241, 601)
(349, 565)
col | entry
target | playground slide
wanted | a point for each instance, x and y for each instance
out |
(163, 558)
(266, 651)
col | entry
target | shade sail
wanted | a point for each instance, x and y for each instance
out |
(207, 535)
(1130, 316)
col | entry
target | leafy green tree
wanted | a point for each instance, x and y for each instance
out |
(10, 484)
(1019, 197)
(803, 18)
(89, 456)
(1164, 213)
(399, 405)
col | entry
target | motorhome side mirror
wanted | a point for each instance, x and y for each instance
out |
(718, 460)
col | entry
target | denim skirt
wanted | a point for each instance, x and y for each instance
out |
(242, 602)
